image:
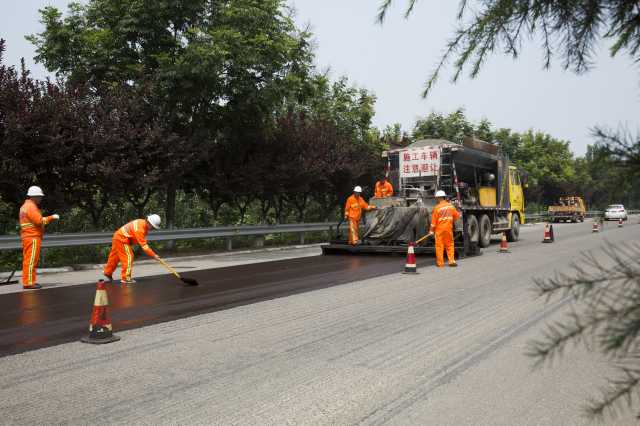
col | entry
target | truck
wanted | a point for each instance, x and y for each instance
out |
(569, 208)
(481, 182)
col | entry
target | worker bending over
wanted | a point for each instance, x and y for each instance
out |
(384, 188)
(353, 212)
(442, 219)
(32, 226)
(134, 232)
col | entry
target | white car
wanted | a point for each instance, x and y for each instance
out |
(615, 212)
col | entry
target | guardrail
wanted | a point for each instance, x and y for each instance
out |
(12, 242)
(541, 217)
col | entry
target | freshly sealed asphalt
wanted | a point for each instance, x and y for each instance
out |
(35, 319)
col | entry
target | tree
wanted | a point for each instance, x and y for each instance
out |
(218, 69)
(572, 28)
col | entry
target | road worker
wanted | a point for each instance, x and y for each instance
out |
(442, 219)
(134, 232)
(32, 226)
(353, 212)
(384, 188)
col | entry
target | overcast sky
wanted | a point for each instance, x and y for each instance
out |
(393, 61)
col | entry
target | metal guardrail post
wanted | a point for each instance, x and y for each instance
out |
(301, 238)
(229, 244)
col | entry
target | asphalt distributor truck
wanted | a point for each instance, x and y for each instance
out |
(479, 181)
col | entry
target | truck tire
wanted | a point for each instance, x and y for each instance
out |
(574, 219)
(473, 229)
(514, 233)
(485, 231)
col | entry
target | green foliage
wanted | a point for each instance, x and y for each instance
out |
(601, 177)
(572, 28)
(604, 317)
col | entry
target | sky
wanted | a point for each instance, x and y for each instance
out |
(393, 61)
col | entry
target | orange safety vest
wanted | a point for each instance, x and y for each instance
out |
(443, 216)
(354, 206)
(135, 232)
(384, 189)
(31, 221)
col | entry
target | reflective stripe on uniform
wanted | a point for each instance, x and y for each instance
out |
(352, 228)
(34, 250)
(127, 250)
(125, 232)
(27, 225)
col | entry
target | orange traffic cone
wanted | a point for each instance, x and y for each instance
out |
(410, 267)
(100, 330)
(620, 223)
(595, 227)
(547, 234)
(504, 247)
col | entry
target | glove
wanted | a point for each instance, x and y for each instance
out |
(56, 217)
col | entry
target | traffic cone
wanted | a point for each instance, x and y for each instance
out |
(547, 234)
(595, 227)
(620, 223)
(410, 267)
(100, 330)
(504, 247)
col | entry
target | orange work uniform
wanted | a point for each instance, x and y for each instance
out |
(442, 219)
(134, 232)
(353, 212)
(384, 190)
(31, 231)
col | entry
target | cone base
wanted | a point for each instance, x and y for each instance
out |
(547, 241)
(89, 339)
(410, 272)
(504, 251)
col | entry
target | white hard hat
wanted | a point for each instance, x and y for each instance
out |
(440, 193)
(154, 220)
(35, 191)
(357, 189)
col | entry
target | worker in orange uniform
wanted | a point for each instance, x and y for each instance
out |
(353, 212)
(442, 219)
(32, 226)
(134, 232)
(384, 188)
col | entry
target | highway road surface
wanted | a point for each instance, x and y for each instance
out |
(316, 340)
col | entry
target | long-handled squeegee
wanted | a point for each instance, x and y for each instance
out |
(188, 281)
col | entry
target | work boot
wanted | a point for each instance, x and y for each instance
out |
(453, 265)
(32, 287)
(109, 278)
(125, 282)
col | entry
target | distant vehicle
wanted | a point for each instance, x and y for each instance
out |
(568, 209)
(615, 212)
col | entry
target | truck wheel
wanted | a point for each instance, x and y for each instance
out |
(574, 220)
(514, 233)
(473, 228)
(485, 231)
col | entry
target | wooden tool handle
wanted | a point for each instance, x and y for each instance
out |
(423, 238)
(169, 268)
